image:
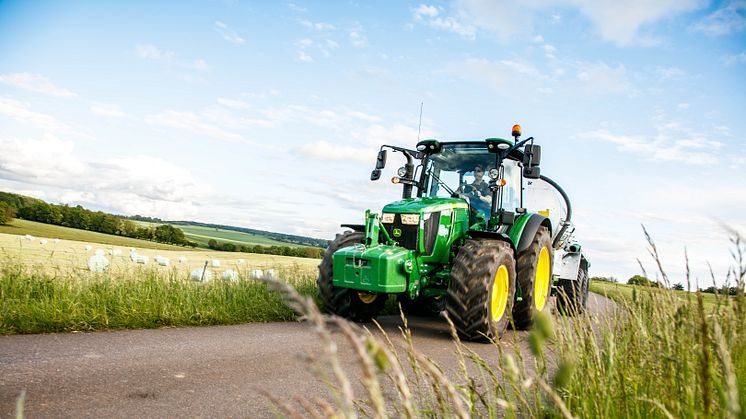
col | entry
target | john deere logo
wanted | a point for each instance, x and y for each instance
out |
(397, 232)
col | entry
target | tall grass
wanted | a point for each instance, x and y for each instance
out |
(34, 301)
(656, 355)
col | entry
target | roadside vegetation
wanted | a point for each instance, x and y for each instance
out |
(657, 355)
(660, 353)
(35, 301)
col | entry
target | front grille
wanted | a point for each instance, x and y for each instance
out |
(409, 237)
(431, 232)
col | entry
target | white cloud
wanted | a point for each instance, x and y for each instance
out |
(431, 16)
(35, 83)
(729, 18)
(673, 142)
(107, 109)
(357, 37)
(152, 52)
(191, 122)
(617, 22)
(29, 159)
(22, 113)
(304, 56)
(317, 26)
(233, 104)
(227, 33)
(132, 185)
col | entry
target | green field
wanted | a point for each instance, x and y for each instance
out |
(201, 235)
(23, 227)
(624, 292)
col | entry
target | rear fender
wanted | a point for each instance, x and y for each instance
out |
(523, 232)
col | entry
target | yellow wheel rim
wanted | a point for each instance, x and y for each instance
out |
(541, 282)
(500, 293)
(367, 297)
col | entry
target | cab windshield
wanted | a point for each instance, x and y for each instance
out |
(463, 168)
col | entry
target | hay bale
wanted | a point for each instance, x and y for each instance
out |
(43, 242)
(142, 259)
(183, 259)
(98, 263)
(215, 263)
(88, 248)
(201, 275)
(256, 273)
(162, 260)
(229, 275)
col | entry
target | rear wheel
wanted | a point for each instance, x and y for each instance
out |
(572, 296)
(352, 304)
(482, 289)
(534, 276)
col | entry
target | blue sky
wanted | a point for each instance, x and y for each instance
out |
(269, 114)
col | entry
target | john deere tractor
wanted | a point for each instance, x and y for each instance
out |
(484, 253)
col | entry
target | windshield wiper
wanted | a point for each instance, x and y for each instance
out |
(440, 182)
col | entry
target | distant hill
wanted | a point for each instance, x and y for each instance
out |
(280, 237)
(272, 238)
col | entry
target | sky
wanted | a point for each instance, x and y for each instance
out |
(269, 115)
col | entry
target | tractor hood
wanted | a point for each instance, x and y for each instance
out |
(424, 205)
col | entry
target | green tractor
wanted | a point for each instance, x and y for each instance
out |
(483, 251)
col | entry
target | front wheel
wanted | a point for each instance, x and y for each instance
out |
(482, 289)
(351, 304)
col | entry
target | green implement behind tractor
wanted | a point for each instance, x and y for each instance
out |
(483, 251)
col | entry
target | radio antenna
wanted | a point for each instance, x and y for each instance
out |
(419, 127)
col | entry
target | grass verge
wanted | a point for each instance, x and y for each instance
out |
(657, 355)
(33, 301)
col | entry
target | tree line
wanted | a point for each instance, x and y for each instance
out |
(7, 213)
(303, 252)
(12, 205)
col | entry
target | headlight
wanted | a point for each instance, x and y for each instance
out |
(494, 173)
(387, 218)
(410, 219)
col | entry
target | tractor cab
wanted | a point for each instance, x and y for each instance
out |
(468, 170)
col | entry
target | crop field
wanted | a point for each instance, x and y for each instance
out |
(624, 292)
(46, 285)
(201, 235)
(50, 231)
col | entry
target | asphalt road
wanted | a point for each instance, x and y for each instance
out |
(220, 371)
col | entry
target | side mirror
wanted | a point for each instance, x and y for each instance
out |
(375, 174)
(532, 155)
(381, 160)
(531, 172)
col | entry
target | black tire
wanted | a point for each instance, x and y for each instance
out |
(470, 292)
(424, 307)
(572, 296)
(351, 304)
(527, 265)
